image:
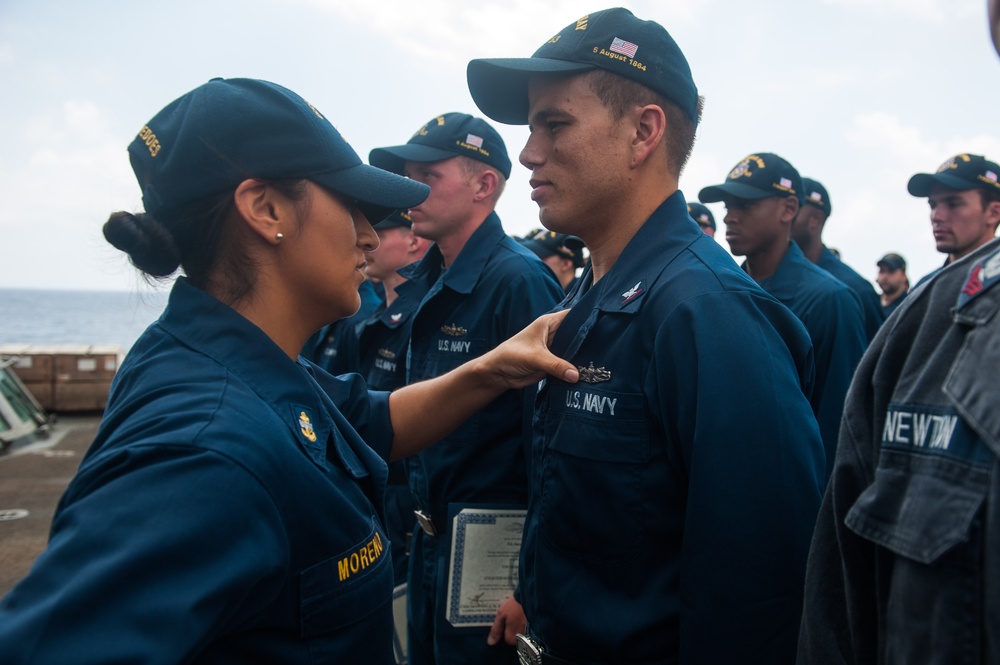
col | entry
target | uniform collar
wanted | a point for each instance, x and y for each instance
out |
(983, 275)
(667, 233)
(394, 315)
(827, 258)
(463, 274)
(216, 330)
(785, 281)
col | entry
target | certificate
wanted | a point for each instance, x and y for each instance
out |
(485, 545)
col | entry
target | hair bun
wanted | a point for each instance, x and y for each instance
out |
(148, 244)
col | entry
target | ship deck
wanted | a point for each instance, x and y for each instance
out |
(33, 476)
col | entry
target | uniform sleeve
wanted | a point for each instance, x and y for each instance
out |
(726, 371)
(837, 325)
(839, 620)
(154, 552)
(530, 295)
(874, 315)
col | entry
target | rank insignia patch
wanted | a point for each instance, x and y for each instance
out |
(982, 277)
(632, 293)
(305, 426)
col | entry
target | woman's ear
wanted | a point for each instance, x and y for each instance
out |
(263, 209)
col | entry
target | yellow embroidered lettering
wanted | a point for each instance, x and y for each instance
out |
(316, 111)
(147, 136)
(613, 56)
(366, 556)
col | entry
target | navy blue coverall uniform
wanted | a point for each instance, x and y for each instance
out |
(228, 511)
(904, 561)
(871, 306)
(381, 343)
(492, 290)
(833, 317)
(675, 487)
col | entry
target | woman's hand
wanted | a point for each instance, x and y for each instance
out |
(525, 358)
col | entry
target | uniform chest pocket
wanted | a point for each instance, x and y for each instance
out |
(919, 507)
(595, 475)
(353, 587)
(448, 352)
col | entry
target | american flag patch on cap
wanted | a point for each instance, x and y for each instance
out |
(472, 139)
(623, 47)
(785, 182)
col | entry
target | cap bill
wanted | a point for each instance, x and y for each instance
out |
(921, 183)
(377, 191)
(716, 193)
(499, 86)
(394, 158)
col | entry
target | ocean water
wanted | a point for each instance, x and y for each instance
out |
(29, 316)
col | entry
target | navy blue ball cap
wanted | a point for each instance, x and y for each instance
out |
(444, 137)
(961, 172)
(545, 243)
(701, 214)
(398, 218)
(611, 39)
(892, 261)
(757, 176)
(815, 194)
(223, 132)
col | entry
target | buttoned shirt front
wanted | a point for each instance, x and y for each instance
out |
(674, 488)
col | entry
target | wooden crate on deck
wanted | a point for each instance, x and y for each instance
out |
(66, 377)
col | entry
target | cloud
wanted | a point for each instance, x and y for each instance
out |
(65, 163)
(440, 29)
(886, 132)
(930, 11)
(901, 142)
(873, 212)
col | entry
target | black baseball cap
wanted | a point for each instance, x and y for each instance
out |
(892, 262)
(756, 177)
(961, 172)
(701, 214)
(816, 196)
(611, 39)
(545, 243)
(397, 218)
(444, 137)
(211, 139)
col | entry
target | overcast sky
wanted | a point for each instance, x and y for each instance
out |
(859, 94)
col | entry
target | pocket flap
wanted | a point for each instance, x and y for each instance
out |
(347, 588)
(919, 516)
